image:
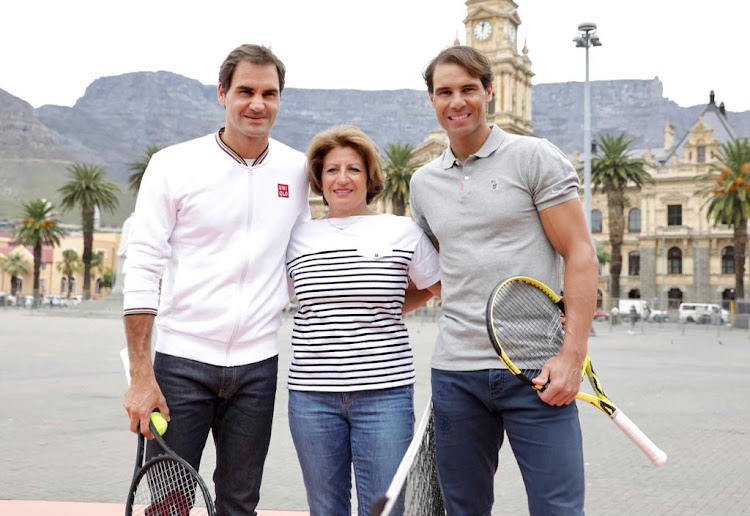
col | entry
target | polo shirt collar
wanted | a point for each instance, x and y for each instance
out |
(490, 145)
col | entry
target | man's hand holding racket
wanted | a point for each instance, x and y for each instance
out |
(560, 379)
(142, 398)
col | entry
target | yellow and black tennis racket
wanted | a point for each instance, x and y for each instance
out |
(523, 322)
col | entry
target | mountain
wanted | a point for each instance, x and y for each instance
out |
(118, 117)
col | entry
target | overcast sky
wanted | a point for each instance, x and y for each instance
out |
(51, 50)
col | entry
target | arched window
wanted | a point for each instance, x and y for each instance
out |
(674, 297)
(98, 288)
(674, 261)
(727, 260)
(634, 263)
(634, 220)
(63, 284)
(596, 221)
(72, 286)
(634, 294)
(599, 298)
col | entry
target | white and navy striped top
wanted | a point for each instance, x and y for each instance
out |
(350, 275)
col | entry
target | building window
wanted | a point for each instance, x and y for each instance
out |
(634, 220)
(72, 286)
(634, 294)
(674, 298)
(596, 221)
(599, 298)
(63, 284)
(701, 154)
(674, 261)
(727, 260)
(634, 263)
(674, 215)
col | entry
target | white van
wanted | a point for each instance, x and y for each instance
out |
(699, 312)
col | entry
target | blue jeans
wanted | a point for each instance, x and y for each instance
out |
(236, 404)
(472, 409)
(333, 430)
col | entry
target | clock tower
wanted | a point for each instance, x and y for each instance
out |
(492, 27)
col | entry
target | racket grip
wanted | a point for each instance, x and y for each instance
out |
(623, 422)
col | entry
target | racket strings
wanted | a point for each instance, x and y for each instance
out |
(168, 489)
(527, 324)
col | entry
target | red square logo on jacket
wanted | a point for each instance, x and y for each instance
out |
(283, 190)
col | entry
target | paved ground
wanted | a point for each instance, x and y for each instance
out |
(64, 432)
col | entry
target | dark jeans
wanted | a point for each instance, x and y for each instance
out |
(236, 404)
(472, 410)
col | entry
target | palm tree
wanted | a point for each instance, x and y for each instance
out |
(139, 167)
(398, 170)
(38, 227)
(14, 265)
(88, 189)
(611, 171)
(70, 264)
(729, 200)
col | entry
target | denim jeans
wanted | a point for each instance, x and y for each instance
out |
(333, 430)
(472, 410)
(236, 404)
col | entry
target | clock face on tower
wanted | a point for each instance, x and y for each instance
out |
(482, 30)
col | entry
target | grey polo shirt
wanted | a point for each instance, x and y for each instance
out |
(484, 214)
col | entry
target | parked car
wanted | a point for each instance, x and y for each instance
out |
(26, 301)
(702, 313)
(601, 315)
(658, 316)
(72, 300)
(52, 300)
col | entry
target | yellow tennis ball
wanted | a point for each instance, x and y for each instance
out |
(159, 422)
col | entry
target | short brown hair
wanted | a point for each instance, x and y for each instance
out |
(344, 136)
(470, 59)
(255, 54)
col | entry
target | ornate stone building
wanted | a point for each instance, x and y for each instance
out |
(671, 251)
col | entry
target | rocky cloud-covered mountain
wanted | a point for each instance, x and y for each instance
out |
(118, 117)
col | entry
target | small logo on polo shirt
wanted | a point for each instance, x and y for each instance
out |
(493, 184)
(283, 190)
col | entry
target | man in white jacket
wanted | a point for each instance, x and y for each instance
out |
(206, 253)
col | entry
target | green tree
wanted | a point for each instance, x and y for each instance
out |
(70, 264)
(139, 167)
(398, 168)
(729, 200)
(108, 278)
(14, 265)
(88, 189)
(38, 227)
(602, 254)
(612, 171)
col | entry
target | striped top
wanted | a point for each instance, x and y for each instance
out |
(350, 275)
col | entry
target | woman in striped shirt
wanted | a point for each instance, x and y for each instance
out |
(352, 374)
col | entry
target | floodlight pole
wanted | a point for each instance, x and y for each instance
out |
(587, 39)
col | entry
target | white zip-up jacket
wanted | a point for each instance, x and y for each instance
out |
(214, 231)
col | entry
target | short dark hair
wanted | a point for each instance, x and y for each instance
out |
(255, 54)
(345, 136)
(470, 59)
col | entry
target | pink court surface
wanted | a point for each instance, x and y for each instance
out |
(32, 508)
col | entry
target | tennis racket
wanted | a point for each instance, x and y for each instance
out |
(166, 485)
(524, 326)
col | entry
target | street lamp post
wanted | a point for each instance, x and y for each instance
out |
(588, 38)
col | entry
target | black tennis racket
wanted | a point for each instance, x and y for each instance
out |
(166, 485)
(524, 326)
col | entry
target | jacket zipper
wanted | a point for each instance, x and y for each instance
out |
(248, 224)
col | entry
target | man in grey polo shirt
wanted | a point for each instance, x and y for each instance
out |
(498, 205)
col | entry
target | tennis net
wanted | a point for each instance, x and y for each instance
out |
(415, 484)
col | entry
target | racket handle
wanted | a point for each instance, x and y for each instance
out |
(623, 422)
